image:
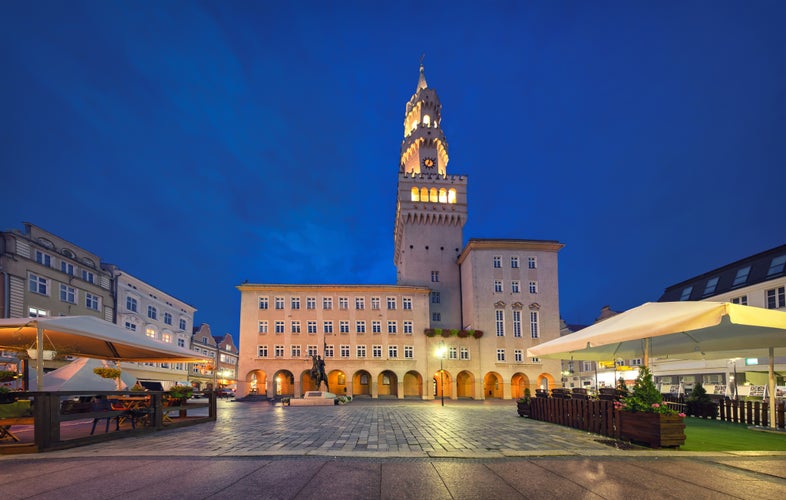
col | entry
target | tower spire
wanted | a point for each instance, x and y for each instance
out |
(422, 78)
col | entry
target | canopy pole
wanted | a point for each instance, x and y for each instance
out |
(39, 362)
(647, 352)
(772, 388)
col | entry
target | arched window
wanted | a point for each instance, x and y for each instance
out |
(433, 196)
(451, 195)
(443, 195)
(427, 120)
(423, 194)
(415, 194)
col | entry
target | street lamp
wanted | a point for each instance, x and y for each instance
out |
(441, 353)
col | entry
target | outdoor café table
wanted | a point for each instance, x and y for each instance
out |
(131, 403)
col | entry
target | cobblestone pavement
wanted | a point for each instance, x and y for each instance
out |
(383, 449)
(364, 427)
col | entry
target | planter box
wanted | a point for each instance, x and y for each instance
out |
(653, 429)
(523, 409)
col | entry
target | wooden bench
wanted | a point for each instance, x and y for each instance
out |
(6, 423)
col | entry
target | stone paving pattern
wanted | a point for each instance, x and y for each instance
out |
(383, 449)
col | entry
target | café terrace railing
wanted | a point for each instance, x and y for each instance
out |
(600, 417)
(48, 414)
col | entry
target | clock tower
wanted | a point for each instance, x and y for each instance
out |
(431, 209)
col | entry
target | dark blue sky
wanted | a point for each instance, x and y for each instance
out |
(201, 144)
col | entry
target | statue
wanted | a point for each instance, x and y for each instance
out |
(318, 374)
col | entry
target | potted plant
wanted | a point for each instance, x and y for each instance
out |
(643, 418)
(106, 372)
(477, 334)
(523, 403)
(7, 376)
(178, 394)
(430, 332)
(699, 403)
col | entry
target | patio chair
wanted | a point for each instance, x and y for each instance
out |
(100, 403)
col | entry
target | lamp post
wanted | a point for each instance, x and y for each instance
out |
(441, 353)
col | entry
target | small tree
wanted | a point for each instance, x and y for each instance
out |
(645, 397)
(699, 394)
(622, 387)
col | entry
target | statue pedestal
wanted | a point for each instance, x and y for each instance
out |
(314, 398)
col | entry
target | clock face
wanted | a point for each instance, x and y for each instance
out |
(428, 162)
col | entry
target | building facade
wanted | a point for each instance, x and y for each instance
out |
(145, 310)
(457, 323)
(758, 281)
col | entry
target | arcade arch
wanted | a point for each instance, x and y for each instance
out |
(413, 384)
(493, 386)
(387, 384)
(465, 385)
(518, 383)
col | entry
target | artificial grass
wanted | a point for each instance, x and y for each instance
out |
(714, 435)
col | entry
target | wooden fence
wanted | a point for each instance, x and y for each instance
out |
(745, 412)
(600, 417)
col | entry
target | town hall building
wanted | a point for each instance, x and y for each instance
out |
(457, 323)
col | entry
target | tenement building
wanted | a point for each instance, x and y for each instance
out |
(458, 322)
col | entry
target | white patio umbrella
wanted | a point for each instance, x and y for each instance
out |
(78, 375)
(679, 330)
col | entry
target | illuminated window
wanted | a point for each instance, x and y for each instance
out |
(423, 194)
(427, 120)
(166, 337)
(443, 195)
(415, 194)
(433, 197)
(451, 195)
(150, 332)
